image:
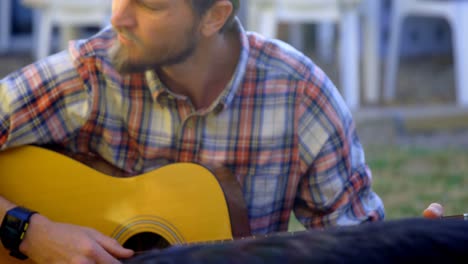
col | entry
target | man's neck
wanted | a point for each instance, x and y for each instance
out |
(204, 75)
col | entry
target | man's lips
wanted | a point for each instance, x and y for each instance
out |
(124, 39)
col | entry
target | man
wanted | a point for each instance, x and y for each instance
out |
(179, 80)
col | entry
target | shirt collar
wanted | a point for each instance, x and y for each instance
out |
(158, 89)
(227, 96)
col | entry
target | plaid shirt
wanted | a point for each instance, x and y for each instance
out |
(280, 125)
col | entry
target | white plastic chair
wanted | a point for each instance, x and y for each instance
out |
(456, 13)
(68, 16)
(5, 25)
(264, 17)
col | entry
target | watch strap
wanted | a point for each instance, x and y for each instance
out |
(13, 229)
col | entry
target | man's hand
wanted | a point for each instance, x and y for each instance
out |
(434, 211)
(50, 242)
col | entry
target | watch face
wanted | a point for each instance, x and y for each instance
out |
(13, 222)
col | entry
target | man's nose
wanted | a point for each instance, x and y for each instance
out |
(123, 14)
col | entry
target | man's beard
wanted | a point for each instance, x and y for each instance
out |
(120, 55)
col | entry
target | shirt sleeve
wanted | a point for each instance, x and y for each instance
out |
(44, 102)
(335, 187)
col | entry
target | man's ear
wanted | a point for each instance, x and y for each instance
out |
(215, 18)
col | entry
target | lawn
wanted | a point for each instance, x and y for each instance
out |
(408, 179)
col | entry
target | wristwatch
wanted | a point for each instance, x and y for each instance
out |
(13, 229)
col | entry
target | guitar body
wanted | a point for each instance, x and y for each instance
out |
(181, 202)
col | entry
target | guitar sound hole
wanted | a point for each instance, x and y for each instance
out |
(146, 241)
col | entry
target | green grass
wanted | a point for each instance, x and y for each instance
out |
(408, 179)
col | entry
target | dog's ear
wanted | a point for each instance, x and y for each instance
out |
(396, 241)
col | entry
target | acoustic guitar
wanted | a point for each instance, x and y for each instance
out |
(176, 204)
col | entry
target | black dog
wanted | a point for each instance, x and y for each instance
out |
(393, 241)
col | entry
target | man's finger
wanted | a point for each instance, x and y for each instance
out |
(433, 211)
(104, 257)
(112, 246)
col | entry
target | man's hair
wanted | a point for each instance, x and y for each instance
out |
(201, 6)
(387, 242)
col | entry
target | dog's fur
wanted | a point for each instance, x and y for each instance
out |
(393, 241)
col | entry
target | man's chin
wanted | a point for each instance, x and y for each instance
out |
(128, 68)
(120, 59)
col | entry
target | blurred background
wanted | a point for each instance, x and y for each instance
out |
(399, 64)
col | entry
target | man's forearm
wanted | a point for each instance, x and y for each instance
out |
(39, 220)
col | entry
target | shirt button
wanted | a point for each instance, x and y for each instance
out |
(218, 109)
